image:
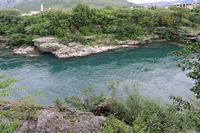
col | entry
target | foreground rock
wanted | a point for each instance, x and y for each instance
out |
(24, 50)
(49, 120)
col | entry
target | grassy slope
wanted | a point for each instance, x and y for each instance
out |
(67, 4)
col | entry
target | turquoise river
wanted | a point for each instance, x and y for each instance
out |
(149, 66)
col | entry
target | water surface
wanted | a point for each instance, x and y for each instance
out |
(148, 65)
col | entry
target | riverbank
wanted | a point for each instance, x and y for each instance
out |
(97, 44)
(73, 49)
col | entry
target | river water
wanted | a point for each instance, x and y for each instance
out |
(149, 66)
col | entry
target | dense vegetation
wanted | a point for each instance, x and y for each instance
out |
(134, 113)
(113, 24)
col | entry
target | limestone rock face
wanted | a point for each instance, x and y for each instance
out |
(51, 122)
(82, 122)
(29, 51)
(73, 49)
(47, 44)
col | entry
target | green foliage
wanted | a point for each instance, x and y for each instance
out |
(8, 19)
(88, 102)
(82, 21)
(14, 112)
(77, 37)
(5, 90)
(169, 35)
(112, 125)
(190, 58)
(19, 39)
(179, 104)
(137, 114)
(5, 86)
(9, 128)
(58, 104)
(82, 15)
(128, 31)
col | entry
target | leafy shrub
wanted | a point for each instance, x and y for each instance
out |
(9, 128)
(76, 37)
(82, 15)
(113, 125)
(8, 19)
(58, 104)
(14, 113)
(5, 91)
(170, 35)
(128, 31)
(19, 39)
(88, 102)
(140, 114)
(190, 62)
(85, 30)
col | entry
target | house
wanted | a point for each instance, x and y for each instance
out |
(190, 6)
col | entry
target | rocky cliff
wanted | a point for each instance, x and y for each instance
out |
(35, 119)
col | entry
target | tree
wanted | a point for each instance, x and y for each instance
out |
(82, 15)
(128, 31)
(8, 19)
(5, 89)
(190, 62)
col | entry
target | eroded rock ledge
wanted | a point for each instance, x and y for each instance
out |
(73, 49)
(26, 50)
(49, 120)
(51, 45)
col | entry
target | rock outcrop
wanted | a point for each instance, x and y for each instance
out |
(74, 49)
(28, 51)
(47, 44)
(51, 45)
(103, 108)
(78, 50)
(49, 120)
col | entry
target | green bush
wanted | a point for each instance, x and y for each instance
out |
(112, 125)
(137, 113)
(8, 19)
(128, 31)
(76, 37)
(88, 102)
(82, 15)
(58, 104)
(85, 30)
(19, 39)
(82, 21)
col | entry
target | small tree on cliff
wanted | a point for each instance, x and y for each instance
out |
(190, 62)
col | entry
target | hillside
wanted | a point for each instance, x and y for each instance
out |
(8, 3)
(30, 5)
